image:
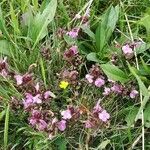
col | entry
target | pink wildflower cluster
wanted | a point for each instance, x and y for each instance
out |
(97, 78)
(98, 115)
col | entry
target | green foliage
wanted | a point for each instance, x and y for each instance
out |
(114, 73)
(38, 26)
(106, 28)
(6, 128)
(4, 48)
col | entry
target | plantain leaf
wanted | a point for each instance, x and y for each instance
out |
(38, 26)
(114, 73)
(106, 27)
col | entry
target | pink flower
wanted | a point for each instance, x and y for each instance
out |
(134, 93)
(73, 33)
(22, 79)
(37, 99)
(30, 100)
(88, 124)
(107, 91)
(104, 116)
(42, 125)
(97, 108)
(32, 121)
(128, 52)
(89, 78)
(61, 125)
(117, 88)
(71, 52)
(66, 114)
(36, 115)
(99, 82)
(126, 49)
(19, 79)
(49, 94)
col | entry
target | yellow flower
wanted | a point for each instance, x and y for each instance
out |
(63, 84)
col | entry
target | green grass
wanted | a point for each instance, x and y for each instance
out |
(28, 27)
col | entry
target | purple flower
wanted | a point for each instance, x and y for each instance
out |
(117, 88)
(89, 78)
(19, 79)
(134, 93)
(107, 91)
(42, 125)
(99, 82)
(30, 100)
(66, 114)
(71, 52)
(22, 79)
(61, 125)
(49, 94)
(73, 33)
(97, 108)
(36, 115)
(88, 124)
(127, 51)
(104, 116)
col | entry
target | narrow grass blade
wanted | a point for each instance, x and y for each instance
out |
(6, 128)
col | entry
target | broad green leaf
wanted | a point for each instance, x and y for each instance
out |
(69, 40)
(114, 73)
(145, 21)
(87, 30)
(130, 118)
(142, 87)
(92, 57)
(38, 26)
(6, 127)
(106, 27)
(143, 104)
(147, 116)
(4, 47)
(142, 48)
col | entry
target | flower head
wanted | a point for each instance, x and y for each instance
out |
(89, 78)
(61, 125)
(63, 84)
(19, 79)
(117, 88)
(127, 51)
(49, 94)
(107, 91)
(73, 33)
(99, 82)
(66, 114)
(88, 124)
(134, 93)
(104, 116)
(97, 108)
(71, 52)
